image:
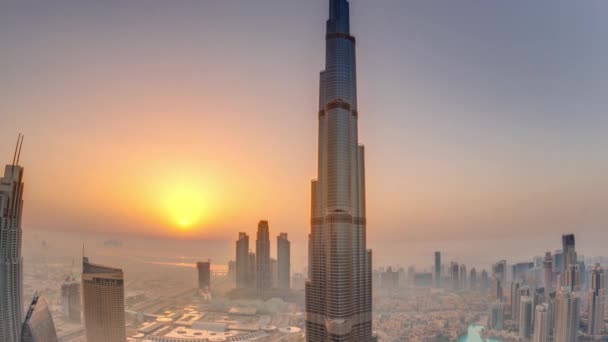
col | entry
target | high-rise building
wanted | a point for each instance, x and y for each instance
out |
(569, 256)
(274, 273)
(242, 261)
(437, 269)
(526, 312)
(499, 270)
(567, 315)
(473, 279)
(548, 271)
(38, 324)
(103, 296)
(496, 290)
(70, 300)
(541, 323)
(484, 282)
(496, 319)
(515, 300)
(283, 262)
(232, 270)
(463, 277)
(251, 275)
(204, 275)
(339, 294)
(11, 262)
(596, 301)
(455, 275)
(263, 272)
(572, 277)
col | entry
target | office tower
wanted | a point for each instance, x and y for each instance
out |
(339, 294)
(103, 296)
(596, 301)
(484, 283)
(548, 271)
(38, 324)
(11, 262)
(569, 256)
(70, 300)
(242, 261)
(520, 270)
(567, 315)
(437, 269)
(283, 262)
(496, 291)
(539, 297)
(263, 272)
(204, 275)
(499, 270)
(541, 323)
(463, 277)
(473, 279)
(455, 276)
(582, 275)
(551, 302)
(572, 278)
(558, 258)
(496, 319)
(525, 316)
(515, 300)
(232, 270)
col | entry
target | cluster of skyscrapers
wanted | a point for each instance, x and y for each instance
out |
(257, 270)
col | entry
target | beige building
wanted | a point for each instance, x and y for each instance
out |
(103, 297)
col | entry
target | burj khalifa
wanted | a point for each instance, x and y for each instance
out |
(339, 290)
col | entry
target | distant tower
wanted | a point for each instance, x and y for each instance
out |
(455, 273)
(572, 278)
(496, 319)
(204, 275)
(515, 300)
(232, 270)
(541, 323)
(473, 279)
(567, 314)
(251, 270)
(283, 262)
(437, 269)
(262, 258)
(463, 277)
(70, 300)
(596, 301)
(525, 317)
(38, 325)
(484, 283)
(103, 295)
(548, 271)
(242, 261)
(499, 270)
(11, 262)
(569, 256)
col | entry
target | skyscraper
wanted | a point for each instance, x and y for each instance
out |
(473, 279)
(338, 295)
(569, 255)
(263, 273)
(70, 300)
(38, 325)
(496, 319)
(438, 269)
(463, 277)
(11, 262)
(103, 296)
(525, 316)
(242, 261)
(515, 300)
(455, 275)
(204, 275)
(541, 324)
(283, 262)
(548, 271)
(499, 270)
(596, 301)
(567, 315)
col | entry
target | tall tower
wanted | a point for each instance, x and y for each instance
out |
(338, 294)
(11, 262)
(437, 269)
(597, 297)
(548, 271)
(103, 296)
(283, 262)
(38, 324)
(204, 275)
(567, 316)
(569, 257)
(541, 323)
(242, 261)
(263, 278)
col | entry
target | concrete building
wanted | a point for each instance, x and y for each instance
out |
(70, 300)
(11, 261)
(339, 293)
(263, 272)
(38, 324)
(103, 296)
(283, 262)
(204, 275)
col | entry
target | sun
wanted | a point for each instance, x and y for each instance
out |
(186, 207)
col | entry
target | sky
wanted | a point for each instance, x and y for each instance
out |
(481, 119)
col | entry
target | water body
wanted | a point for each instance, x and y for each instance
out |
(473, 335)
